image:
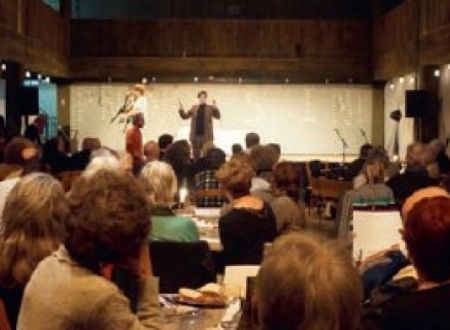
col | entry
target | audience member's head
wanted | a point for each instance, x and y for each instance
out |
(276, 148)
(416, 155)
(215, 158)
(91, 143)
(373, 171)
(104, 152)
(33, 226)
(161, 182)
(207, 146)
(419, 195)
(427, 237)
(178, 155)
(235, 177)
(378, 154)
(18, 150)
(102, 160)
(236, 148)
(364, 150)
(251, 140)
(164, 141)
(151, 151)
(263, 158)
(108, 220)
(306, 282)
(286, 180)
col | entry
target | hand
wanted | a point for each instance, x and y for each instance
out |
(180, 105)
(214, 103)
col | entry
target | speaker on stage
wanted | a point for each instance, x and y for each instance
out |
(416, 103)
(28, 101)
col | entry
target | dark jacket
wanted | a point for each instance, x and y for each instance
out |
(210, 113)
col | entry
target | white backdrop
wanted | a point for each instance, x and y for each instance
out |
(301, 118)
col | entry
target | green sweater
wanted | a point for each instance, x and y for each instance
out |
(166, 226)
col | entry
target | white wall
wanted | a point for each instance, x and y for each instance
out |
(299, 117)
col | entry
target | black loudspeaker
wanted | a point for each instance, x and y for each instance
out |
(28, 101)
(416, 103)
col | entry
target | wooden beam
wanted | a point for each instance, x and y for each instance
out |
(305, 69)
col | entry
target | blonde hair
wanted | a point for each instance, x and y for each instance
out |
(236, 176)
(306, 282)
(33, 226)
(161, 182)
(374, 172)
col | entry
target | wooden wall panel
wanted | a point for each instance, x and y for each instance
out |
(220, 38)
(8, 13)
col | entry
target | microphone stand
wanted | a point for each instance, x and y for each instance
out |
(344, 145)
(363, 133)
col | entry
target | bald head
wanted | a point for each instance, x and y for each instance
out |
(151, 151)
(419, 195)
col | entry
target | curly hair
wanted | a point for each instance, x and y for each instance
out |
(236, 176)
(33, 226)
(109, 219)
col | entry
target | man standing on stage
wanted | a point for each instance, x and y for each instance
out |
(133, 141)
(201, 122)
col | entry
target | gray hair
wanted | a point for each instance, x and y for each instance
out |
(161, 182)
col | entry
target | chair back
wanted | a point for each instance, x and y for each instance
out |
(333, 189)
(180, 264)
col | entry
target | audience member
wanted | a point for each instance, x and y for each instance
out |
(277, 149)
(236, 148)
(17, 151)
(164, 142)
(107, 230)
(374, 191)
(80, 160)
(263, 159)
(32, 228)
(4, 137)
(427, 237)
(201, 164)
(251, 140)
(355, 167)
(289, 212)
(306, 282)
(162, 187)
(151, 151)
(178, 155)
(54, 156)
(206, 180)
(250, 222)
(36, 128)
(415, 176)
(443, 161)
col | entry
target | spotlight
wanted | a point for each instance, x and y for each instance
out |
(412, 80)
(401, 80)
(39, 76)
(437, 73)
(27, 74)
(144, 81)
(3, 66)
(391, 86)
(47, 80)
(195, 79)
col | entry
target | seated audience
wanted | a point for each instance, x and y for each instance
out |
(107, 230)
(206, 180)
(15, 156)
(306, 282)
(54, 156)
(80, 160)
(439, 149)
(263, 159)
(355, 167)
(374, 191)
(250, 222)
(277, 149)
(162, 187)
(427, 237)
(32, 228)
(178, 155)
(289, 212)
(236, 148)
(415, 176)
(252, 139)
(151, 151)
(164, 142)
(201, 164)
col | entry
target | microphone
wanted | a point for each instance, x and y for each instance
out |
(363, 133)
